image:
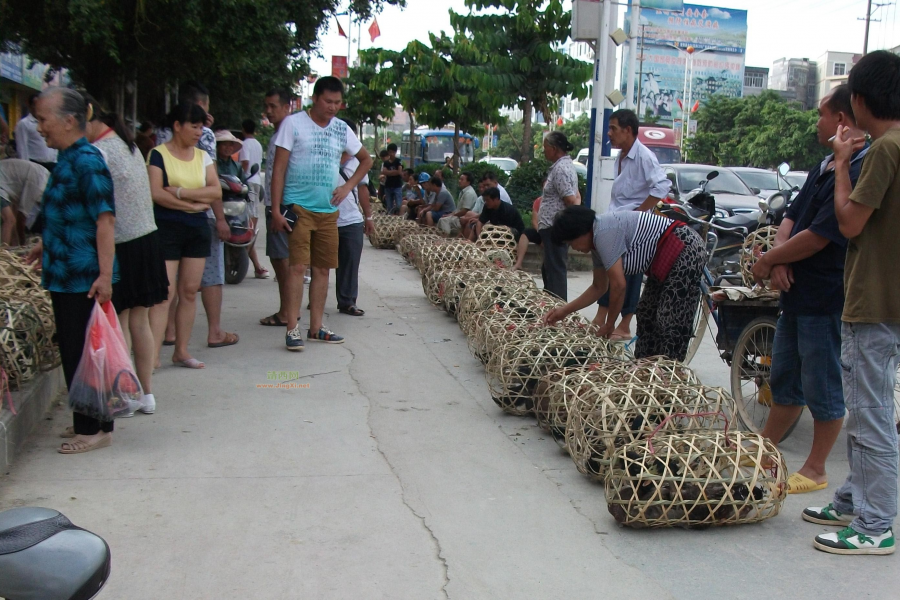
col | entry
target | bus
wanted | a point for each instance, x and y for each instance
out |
(436, 146)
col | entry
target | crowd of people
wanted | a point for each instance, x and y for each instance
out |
(139, 221)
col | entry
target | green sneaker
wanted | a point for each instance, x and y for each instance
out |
(849, 541)
(826, 515)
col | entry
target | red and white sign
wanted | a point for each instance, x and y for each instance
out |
(339, 67)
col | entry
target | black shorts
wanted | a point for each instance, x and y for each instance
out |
(533, 236)
(184, 240)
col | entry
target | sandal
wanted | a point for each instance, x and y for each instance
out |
(272, 321)
(191, 363)
(261, 273)
(81, 445)
(230, 340)
(351, 310)
(68, 432)
(168, 342)
(801, 484)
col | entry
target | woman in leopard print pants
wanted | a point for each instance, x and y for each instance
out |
(631, 242)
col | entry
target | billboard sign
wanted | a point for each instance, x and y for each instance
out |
(339, 67)
(674, 5)
(718, 37)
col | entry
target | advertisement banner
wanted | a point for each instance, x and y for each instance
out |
(339, 67)
(11, 67)
(687, 57)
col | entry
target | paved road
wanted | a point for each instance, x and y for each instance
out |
(392, 475)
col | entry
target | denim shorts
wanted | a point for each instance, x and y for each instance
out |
(806, 364)
(632, 294)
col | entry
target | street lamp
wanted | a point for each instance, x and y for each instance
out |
(687, 91)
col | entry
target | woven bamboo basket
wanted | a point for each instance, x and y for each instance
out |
(407, 228)
(20, 282)
(515, 369)
(434, 280)
(559, 391)
(497, 237)
(385, 226)
(412, 246)
(606, 416)
(456, 282)
(496, 330)
(696, 480)
(486, 296)
(501, 258)
(450, 251)
(377, 207)
(755, 245)
(20, 331)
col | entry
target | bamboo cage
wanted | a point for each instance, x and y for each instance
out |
(496, 329)
(606, 416)
(385, 226)
(454, 282)
(696, 480)
(497, 237)
(406, 228)
(755, 245)
(20, 333)
(503, 259)
(486, 296)
(447, 252)
(558, 391)
(412, 246)
(435, 276)
(515, 369)
(20, 282)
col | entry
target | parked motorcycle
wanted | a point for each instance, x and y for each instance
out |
(724, 235)
(236, 203)
(43, 556)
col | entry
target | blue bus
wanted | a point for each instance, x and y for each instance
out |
(436, 146)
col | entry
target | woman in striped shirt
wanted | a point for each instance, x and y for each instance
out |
(629, 243)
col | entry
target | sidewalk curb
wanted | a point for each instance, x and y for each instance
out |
(32, 403)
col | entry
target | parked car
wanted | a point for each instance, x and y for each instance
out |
(506, 164)
(733, 196)
(765, 181)
(580, 169)
(797, 178)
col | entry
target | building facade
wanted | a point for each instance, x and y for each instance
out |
(797, 76)
(832, 70)
(756, 79)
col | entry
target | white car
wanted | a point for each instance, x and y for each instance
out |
(504, 163)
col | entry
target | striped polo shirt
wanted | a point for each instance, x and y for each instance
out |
(629, 235)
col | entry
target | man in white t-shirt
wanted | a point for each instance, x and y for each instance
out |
(354, 222)
(306, 180)
(490, 181)
(250, 156)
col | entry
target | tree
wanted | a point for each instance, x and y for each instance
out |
(239, 48)
(756, 131)
(527, 68)
(578, 131)
(510, 136)
(368, 99)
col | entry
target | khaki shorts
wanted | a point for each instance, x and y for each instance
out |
(314, 239)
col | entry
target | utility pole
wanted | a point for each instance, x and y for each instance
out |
(632, 50)
(869, 20)
(640, 81)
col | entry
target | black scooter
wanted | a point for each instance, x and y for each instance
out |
(236, 205)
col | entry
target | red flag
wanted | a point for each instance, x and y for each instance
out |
(374, 30)
(340, 29)
(696, 106)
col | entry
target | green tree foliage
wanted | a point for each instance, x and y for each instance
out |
(756, 131)
(238, 48)
(368, 99)
(526, 66)
(510, 136)
(526, 183)
(578, 131)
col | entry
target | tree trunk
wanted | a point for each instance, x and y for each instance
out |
(456, 158)
(375, 139)
(412, 142)
(527, 150)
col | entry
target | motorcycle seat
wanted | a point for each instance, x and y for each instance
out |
(43, 556)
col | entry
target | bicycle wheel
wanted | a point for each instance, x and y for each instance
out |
(701, 324)
(750, 369)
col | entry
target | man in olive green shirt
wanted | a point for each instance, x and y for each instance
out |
(869, 216)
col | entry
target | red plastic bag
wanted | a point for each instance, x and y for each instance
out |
(105, 385)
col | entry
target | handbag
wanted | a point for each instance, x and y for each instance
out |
(668, 249)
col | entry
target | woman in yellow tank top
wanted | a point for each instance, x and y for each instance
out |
(183, 182)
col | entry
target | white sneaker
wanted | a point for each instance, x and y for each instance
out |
(306, 279)
(148, 404)
(850, 541)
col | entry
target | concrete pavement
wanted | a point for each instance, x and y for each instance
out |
(392, 475)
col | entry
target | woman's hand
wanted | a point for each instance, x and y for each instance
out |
(35, 255)
(556, 315)
(102, 289)
(223, 230)
(199, 207)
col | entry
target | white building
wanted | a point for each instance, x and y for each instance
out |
(756, 79)
(832, 70)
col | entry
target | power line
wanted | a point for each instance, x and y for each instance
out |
(869, 20)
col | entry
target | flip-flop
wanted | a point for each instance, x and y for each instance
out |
(230, 340)
(79, 446)
(168, 343)
(272, 321)
(617, 337)
(800, 484)
(191, 363)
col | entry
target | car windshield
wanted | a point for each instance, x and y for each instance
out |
(507, 164)
(726, 183)
(763, 180)
(666, 156)
(795, 179)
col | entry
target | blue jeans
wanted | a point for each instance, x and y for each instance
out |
(806, 364)
(392, 199)
(632, 294)
(869, 356)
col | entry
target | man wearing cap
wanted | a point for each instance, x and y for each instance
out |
(413, 205)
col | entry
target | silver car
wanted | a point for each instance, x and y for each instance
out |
(732, 195)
